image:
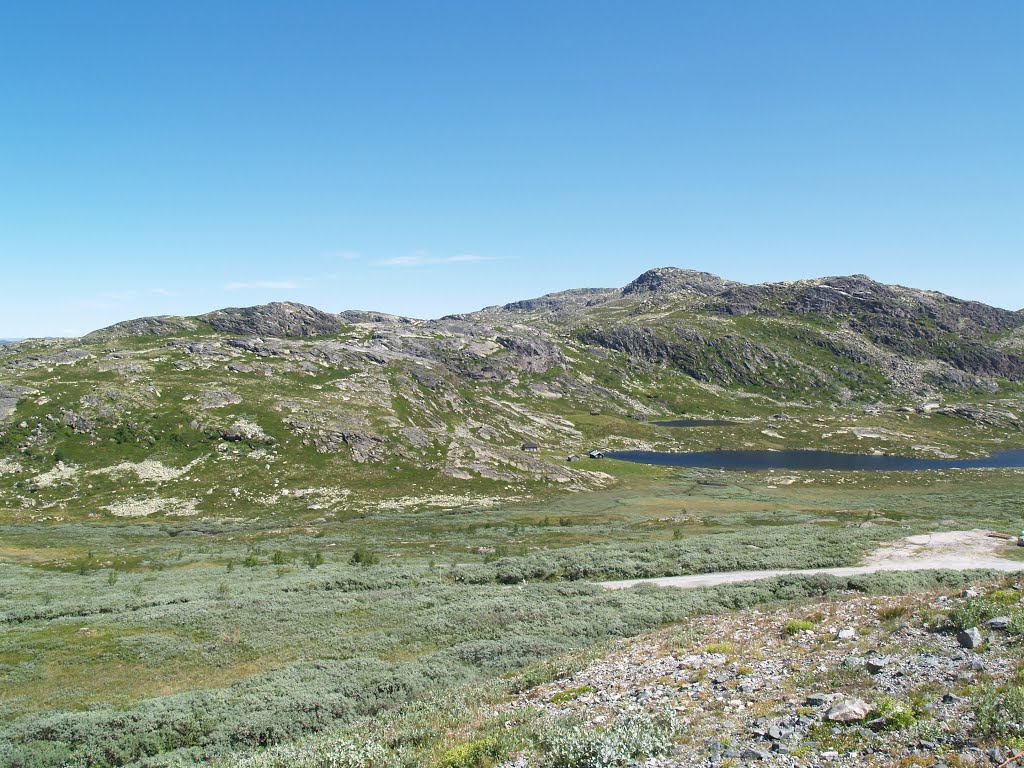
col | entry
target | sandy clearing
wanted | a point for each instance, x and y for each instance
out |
(949, 550)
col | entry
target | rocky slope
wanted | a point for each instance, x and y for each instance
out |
(853, 681)
(429, 402)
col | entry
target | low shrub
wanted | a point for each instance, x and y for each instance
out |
(478, 753)
(894, 715)
(973, 612)
(566, 742)
(319, 752)
(998, 712)
(796, 627)
(893, 612)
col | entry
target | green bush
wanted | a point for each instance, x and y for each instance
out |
(973, 612)
(895, 716)
(315, 559)
(1004, 597)
(998, 712)
(363, 556)
(796, 626)
(478, 753)
(570, 694)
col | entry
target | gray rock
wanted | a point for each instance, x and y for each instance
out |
(7, 406)
(876, 664)
(847, 633)
(971, 638)
(999, 622)
(753, 753)
(848, 711)
(217, 398)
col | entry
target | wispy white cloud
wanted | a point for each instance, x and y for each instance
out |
(422, 259)
(249, 285)
(119, 295)
(131, 293)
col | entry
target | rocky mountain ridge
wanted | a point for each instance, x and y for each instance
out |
(456, 398)
(685, 318)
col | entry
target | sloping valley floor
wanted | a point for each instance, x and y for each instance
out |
(412, 635)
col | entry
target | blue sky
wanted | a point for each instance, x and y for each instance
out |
(428, 158)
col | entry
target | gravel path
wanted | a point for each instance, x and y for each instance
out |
(949, 550)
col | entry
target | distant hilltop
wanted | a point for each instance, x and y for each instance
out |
(505, 395)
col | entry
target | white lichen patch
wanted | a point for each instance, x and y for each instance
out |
(149, 471)
(137, 507)
(869, 433)
(9, 467)
(321, 498)
(446, 501)
(59, 474)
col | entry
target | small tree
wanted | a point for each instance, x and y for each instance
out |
(363, 556)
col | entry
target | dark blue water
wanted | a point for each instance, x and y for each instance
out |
(693, 423)
(757, 460)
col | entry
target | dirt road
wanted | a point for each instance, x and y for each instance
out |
(952, 550)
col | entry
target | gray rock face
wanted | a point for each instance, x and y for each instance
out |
(971, 638)
(144, 326)
(10, 396)
(561, 301)
(848, 711)
(723, 359)
(217, 398)
(8, 405)
(281, 319)
(536, 355)
(14, 392)
(672, 279)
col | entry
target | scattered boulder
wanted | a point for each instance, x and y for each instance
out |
(848, 711)
(245, 431)
(217, 398)
(970, 638)
(876, 664)
(77, 422)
